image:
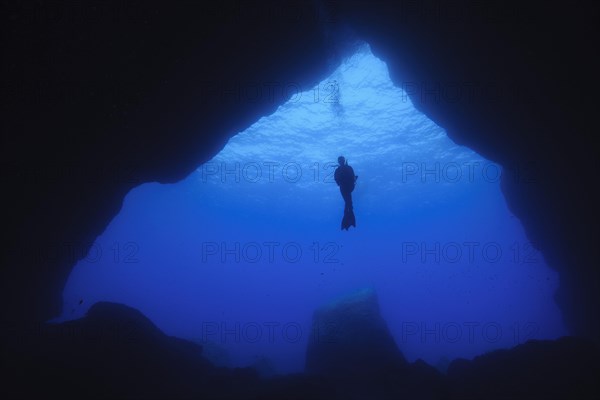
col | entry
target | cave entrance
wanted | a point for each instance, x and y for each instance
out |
(239, 254)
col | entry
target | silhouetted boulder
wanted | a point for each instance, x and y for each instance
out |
(352, 347)
(113, 352)
(349, 337)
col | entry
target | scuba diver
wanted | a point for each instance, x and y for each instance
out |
(346, 180)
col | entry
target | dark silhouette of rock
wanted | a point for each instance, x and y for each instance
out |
(350, 338)
(116, 352)
(566, 368)
(351, 346)
(113, 352)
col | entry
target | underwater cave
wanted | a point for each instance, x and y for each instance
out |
(172, 216)
(238, 255)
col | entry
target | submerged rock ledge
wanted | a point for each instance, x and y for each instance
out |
(116, 352)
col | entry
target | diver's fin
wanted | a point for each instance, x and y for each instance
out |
(348, 220)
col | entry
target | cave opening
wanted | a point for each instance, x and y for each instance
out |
(238, 255)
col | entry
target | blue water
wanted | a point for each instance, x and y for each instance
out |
(239, 254)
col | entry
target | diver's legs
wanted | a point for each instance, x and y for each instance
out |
(347, 196)
(348, 219)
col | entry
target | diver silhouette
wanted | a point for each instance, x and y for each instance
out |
(346, 180)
